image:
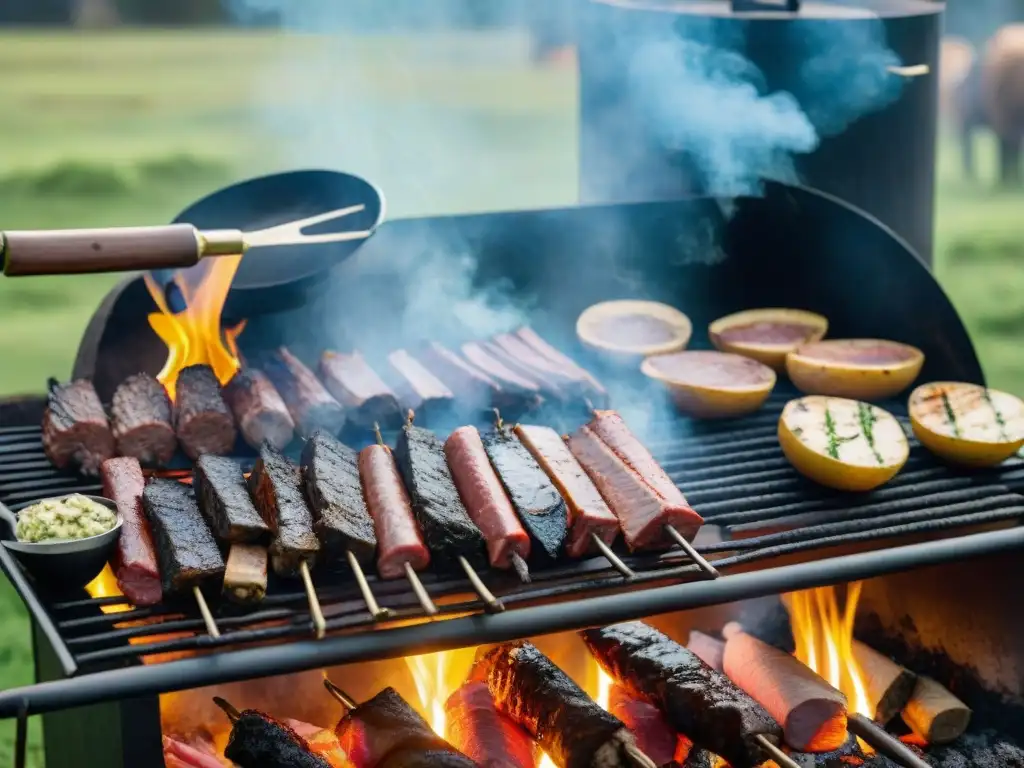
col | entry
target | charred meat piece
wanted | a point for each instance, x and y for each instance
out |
(477, 729)
(426, 758)
(382, 729)
(225, 502)
(245, 576)
(398, 537)
(597, 393)
(259, 741)
(75, 428)
(449, 531)
(310, 404)
(571, 728)
(642, 513)
(539, 506)
(510, 380)
(330, 474)
(588, 513)
(202, 420)
(135, 565)
(485, 499)
(697, 701)
(417, 388)
(551, 386)
(653, 735)
(259, 409)
(473, 388)
(276, 489)
(360, 390)
(186, 550)
(140, 417)
(525, 355)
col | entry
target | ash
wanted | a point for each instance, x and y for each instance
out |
(985, 748)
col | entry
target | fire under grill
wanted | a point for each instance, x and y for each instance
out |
(759, 513)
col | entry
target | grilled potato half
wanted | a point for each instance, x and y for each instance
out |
(710, 385)
(767, 335)
(967, 424)
(862, 369)
(842, 444)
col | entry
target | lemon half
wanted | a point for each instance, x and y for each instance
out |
(712, 385)
(767, 335)
(864, 369)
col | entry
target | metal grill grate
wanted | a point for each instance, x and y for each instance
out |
(757, 507)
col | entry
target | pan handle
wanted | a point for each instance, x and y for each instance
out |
(80, 251)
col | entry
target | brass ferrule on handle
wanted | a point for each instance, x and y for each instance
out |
(222, 242)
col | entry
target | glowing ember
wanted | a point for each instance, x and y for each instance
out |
(194, 335)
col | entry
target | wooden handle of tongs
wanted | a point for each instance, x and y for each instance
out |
(127, 249)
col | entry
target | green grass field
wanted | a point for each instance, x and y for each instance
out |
(130, 128)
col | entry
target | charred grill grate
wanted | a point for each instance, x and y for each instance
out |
(733, 473)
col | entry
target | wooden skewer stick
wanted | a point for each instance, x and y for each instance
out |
(493, 604)
(378, 613)
(343, 698)
(889, 686)
(882, 741)
(692, 553)
(780, 757)
(204, 610)
(627, 572)
(521, 568)
(319, 622)
(638, 758)
(229, 709)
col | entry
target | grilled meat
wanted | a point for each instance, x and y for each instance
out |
(509, 380)
(310, 404)
(552, 387)
(477, 729)
(224, 501)
(653, 735)
(276, 489)
(386, 731)
(186, 550)
(245, 577)
(417, 388)
(140, 418)
(179, 755)
(588, 513)
(202, 420)
(642, 513)
(560, 375)
(473, 388)
(259, 741)
(485, 499)
(398, 537)
(447, 527)
(321, 741)
(359, 389)
(696, 700)
(330, 474)
(75, 428)
(595, 390)
(135, 564)
(418, 757)
(573, 730)
(259, 409)
(539, 506)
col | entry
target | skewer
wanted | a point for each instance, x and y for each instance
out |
(692, 553)
(410, 573)
(638, 758)
(882, 741)
(780, 757)
(372, 605)
(518, 563)
(314, 603)
(343, 698)
(627, 572)
(204, 610)
(229, 709)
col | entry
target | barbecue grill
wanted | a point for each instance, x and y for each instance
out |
(769, 531)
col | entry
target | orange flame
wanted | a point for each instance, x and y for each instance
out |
(194, 335)
(105, 585)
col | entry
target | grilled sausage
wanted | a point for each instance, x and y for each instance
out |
(588, 513)
(449, 531)
(696, 700)
(708, 649)
(311, 406)
(359, 389)
(202, 420)
(259, 409)
(486, 501)
(75, 428)
(276, 489)
(476, 728)
(225, 502)
(140, 418)
(135, 563)
(259, 741)
(398, 537)
(186, 550)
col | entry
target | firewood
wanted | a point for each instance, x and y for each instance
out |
(935, 714)
(888, 685)
(708, 649)
(811, 712)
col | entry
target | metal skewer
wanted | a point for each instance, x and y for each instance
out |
(343, 698)
(378, 613)
(319, 622)
(606, 551)
(204, 610)
(780, 757)
(882, 741)
(229, 709)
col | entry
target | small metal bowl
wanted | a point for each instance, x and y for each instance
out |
(63, 565)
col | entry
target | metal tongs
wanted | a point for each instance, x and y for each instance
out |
(173, 246)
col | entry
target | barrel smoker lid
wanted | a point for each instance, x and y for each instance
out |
(815, 10)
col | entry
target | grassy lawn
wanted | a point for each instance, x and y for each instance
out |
(128, 129)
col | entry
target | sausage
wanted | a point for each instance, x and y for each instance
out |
(398, 537)
(259, 409)
(135, 563)
(486, 501)
(75, 428)
(140, 417)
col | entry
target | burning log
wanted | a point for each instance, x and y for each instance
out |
(359, 389)
(202, 420)
(812, 713)
(75, 427)
(888, 685)
(259, 409)
(140, 418)
(708, 649)
(311, 406)
(935, 714)
(477, 729)
(417, 388)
